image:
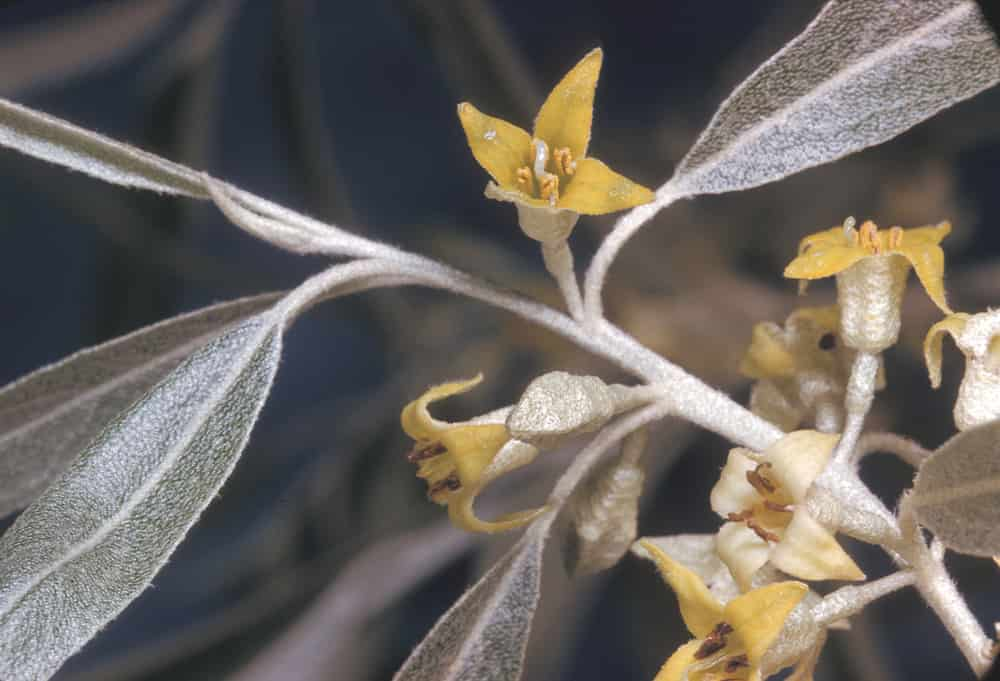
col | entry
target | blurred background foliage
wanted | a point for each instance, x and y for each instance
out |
(321, 559)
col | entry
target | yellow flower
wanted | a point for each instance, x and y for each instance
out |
(547, 174)
(731, 640)
(978, 338)
(762, 495)
(871, 268)
(459, 459)
(801, 368)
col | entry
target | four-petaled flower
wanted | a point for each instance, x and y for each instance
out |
(761, 495)
(731, 640)
(547, 174)
(978, 338)
(871, 269)
(459, 459)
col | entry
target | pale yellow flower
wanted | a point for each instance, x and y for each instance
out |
(459, 459)
(762, 495)
(547, 174)
(801, 368)
(730, 640)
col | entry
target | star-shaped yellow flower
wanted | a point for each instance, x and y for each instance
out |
(459, 459)
(762, 495)
(547, 174)
(731, 640)
(834, 250)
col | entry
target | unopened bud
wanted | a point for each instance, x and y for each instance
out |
(558, 405)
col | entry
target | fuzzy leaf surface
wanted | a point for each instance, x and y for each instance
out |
(484, 635)
(861, 73)
(50, 415)
(94, 539)
(957, 492)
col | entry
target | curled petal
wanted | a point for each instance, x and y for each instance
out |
(759, 616)
(463, 516)
(595, 189)
(934, 342)
(927, 259)
(674, 668)
(809, 551)
(417, 420)
(742, 551)
(499, 147)
(565, 118)
(700, 610)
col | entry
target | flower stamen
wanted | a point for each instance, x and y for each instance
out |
(563, 159)
(448, 484)
(424, 451)
(714, 642)
(524, 179)
(736, 663)
(766, 535)
(760, 483)
(895, 237)
(868, 237)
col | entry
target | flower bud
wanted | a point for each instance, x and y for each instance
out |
(978, 338)
(558, 405)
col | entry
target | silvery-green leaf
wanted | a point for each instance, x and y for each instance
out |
(50, 415)
(94, 539)
(484, 635)
(957, 492)
(54, 140)
(861, 73)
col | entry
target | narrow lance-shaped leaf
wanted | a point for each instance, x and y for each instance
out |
(861, 73)
(484, 635)
(94, 539)
(50, 415)
(957, 492)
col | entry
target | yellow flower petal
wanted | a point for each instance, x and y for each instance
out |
(768, 356)
(417, 421)
(595, 189)
(699, 608)
(673, 669)
(499, 147)
(473, 448)
(742, 551)
(809, 551)
(733, 493)
(463, 516)
(934, 341)
(798, 458)
(933, 234)
(824, 261)
(565, 118)
(758, 617)
(927, 259)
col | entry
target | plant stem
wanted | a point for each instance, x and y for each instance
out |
(849, 600)
(860, 392)
(559, 262)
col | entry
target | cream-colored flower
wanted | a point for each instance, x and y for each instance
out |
(761, 495)
(978, 338)
(801, 369)
(731, 640)
(459, 459)
(871, 269)
(547, 174)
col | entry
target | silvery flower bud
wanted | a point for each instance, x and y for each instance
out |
(558, 405)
